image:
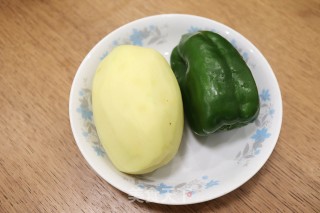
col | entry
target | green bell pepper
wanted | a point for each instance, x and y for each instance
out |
(217, 86)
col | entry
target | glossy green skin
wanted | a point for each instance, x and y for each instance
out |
(218, 89)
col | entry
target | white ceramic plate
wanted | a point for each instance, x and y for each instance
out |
(204, 168)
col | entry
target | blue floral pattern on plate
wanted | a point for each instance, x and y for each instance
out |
(89, 129)
(186, 189)
(151, 35)
(262, 123)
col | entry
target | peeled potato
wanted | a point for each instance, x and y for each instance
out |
(137, 109)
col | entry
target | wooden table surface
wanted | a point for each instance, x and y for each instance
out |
(42, 44)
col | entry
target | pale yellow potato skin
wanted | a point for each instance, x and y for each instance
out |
(137, 109)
